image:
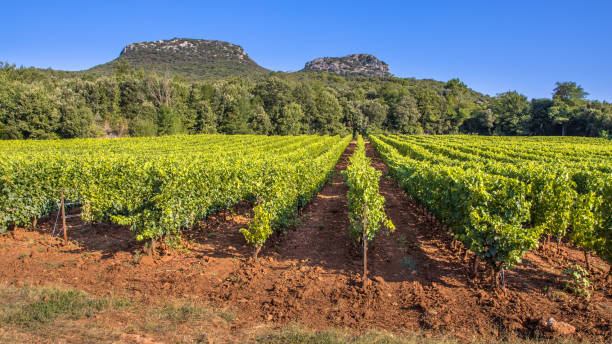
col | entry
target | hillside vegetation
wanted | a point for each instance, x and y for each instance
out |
(197, 86)
(192, 58)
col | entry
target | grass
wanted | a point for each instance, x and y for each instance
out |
(32, 315)
(181, 313)
(52, 265)
(136, 257)
(73, 304)
(297, 334)
(228, 316)
(32, 307)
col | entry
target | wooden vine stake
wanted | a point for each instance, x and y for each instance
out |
(258, 246)
(152, 247)
(365, 246)
(586, 260)
(63, 217)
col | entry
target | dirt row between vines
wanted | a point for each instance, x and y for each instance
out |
(311, 275)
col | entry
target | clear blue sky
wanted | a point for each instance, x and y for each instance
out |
(493, 46)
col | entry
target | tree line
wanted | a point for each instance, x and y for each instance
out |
(45, 104)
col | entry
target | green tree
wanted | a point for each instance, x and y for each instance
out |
(459, 105)
(289, 122)
(205, 120)
(569, 93)
(481, 121)
(304, 95)
(232, 103)
(404, 116)
(168, 123)
(260, 122)
(587, 120)
(235, 119)
(432, 108)
(376, 113)
(354, 117)
(567, 99)
(36, 114)
(273, 92)
(540, 122)
(329, 114)
(76, 120)
(512, 113)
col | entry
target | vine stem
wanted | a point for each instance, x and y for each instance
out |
(476, 265)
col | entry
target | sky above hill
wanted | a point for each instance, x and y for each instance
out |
(493, 46)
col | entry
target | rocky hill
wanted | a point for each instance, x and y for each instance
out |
(192, 58)
(356, 64)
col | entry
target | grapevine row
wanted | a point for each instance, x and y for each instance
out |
(558, 197)
(366, 205)
(362, 180)
(291, 187)
(158, 187)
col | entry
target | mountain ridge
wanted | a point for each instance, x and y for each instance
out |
(202, 59)
(198, 59)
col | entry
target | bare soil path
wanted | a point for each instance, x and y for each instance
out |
(321, 238)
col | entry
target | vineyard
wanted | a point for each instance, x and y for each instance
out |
(498, 196)
(158, 186)
(466, 236)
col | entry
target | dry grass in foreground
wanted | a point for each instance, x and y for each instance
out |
(54, 315)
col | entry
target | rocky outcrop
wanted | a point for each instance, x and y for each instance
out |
(188, 49)
(356, 64)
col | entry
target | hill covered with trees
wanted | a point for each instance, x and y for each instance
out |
(194, 59)
(137, 95)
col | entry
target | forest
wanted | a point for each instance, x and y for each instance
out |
(47, 104)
